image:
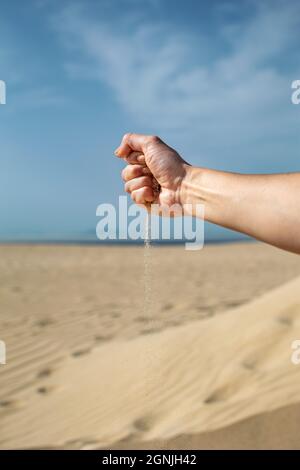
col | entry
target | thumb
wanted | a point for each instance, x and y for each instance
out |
(133, 142)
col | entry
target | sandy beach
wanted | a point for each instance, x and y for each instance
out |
(206, 365)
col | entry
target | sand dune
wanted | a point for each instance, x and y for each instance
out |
(275, 430)
(187, 385)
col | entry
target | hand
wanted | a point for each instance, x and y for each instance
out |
(150, 160)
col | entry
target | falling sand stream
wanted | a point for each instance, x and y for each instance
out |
(148, 303)
(147, 269)
(149, 356)
(152, 358)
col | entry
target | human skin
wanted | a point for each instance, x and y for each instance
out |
(266, 207)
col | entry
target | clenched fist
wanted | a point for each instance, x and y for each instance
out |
(155, 172)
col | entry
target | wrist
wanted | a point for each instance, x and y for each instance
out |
(191, 190)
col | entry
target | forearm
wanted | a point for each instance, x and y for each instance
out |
(266, 207)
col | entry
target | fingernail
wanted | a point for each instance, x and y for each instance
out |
(116, 152)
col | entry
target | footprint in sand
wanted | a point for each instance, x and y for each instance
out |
(249, 364)
(143, 424)
(16, 289)
(44, 373)
(167, 306)
(285, 321)
(115, 315)
(44, 322)
(44, 390)
(7, 404)
(289, 315)
(81, 352)
(149, 331)
(225, 393)
(141, 319)
(215, 397)
(100, 338)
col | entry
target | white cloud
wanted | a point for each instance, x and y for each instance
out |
(156, 75)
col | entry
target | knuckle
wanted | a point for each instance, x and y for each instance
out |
(154, 139)
(148, 191)
(130, 172)
(143, 194)
(136, 171)
(127, 136)
(124, 174)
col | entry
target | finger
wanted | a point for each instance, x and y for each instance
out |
(136, 142)
(138, 183)
(143, 195)
(135, 158)
(132, 171)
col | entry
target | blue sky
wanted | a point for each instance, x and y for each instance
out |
(213, 79)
